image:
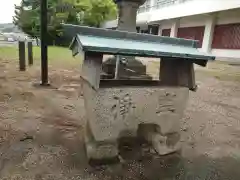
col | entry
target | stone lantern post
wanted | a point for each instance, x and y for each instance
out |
(127, 14)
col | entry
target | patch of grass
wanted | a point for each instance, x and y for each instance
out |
(62, 57)
(7, 52)
(56, 55)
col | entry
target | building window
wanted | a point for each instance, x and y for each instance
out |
(194, 33)
(153, 29)
(145, 31)
(145, 7)
(163, 3)
(138, 29)
(226, 36)
(166, 32)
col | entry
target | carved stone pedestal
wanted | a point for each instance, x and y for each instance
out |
(149, 112)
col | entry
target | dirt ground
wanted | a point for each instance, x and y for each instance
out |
(41, 130)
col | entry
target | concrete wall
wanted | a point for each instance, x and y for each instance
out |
(181, 9)
(223, 17)
(192, 7)
(226, 54)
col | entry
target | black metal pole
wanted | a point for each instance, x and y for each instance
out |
(44, 48)
(21, 49)
(30, 54)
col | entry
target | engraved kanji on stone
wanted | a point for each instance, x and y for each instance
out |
(165, 103)
(122, 106)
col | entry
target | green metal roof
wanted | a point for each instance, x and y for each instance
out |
(134, 44)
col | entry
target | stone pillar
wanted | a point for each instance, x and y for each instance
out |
(208, 33)
(149, 29)
(174, 28)
(152, 3)
(160, 30)
(127, 15)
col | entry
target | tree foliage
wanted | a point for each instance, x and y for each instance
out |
(81, 12)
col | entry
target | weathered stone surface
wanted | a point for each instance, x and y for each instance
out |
(118, 111)
(128, 14)
(100, 151)
(163, 144)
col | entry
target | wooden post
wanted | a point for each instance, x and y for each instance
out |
(91, 68)
(177, 72)
(30, 53)
(117, 67)
(21, 49)
(44, 48)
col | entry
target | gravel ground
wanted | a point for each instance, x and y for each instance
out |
(41, 131)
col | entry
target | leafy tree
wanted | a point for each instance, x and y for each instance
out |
(27, 17)
(80, 12)
(100, 11)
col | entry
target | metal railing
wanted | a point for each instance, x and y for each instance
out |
(163, 3)
(145, 7)
(158, 4)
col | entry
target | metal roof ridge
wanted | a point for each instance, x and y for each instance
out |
(100, 32)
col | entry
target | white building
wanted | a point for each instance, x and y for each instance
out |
(215, 23)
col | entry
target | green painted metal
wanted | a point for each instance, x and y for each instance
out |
(134, 44)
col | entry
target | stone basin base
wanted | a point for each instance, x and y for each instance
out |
(144, 109)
